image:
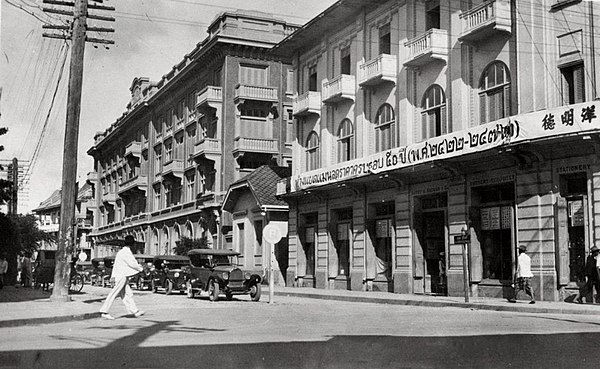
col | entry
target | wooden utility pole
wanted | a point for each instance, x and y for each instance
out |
(66, 236)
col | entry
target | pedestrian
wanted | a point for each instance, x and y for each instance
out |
(124, 267)
(3, 269)
(592, 276)
(19, 268)
(26, 273)
(523, 276)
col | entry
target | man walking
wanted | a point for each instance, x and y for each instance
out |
(125, 266)
(3, 269)
(523, 275)
(592, 276)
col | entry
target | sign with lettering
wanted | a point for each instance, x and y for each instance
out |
(570, 119)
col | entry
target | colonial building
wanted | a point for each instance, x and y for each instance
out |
(163, 167)
(48, 215)
(425, 124)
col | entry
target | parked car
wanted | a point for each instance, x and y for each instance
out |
(86, 270)
(216, 272)
(99, 271)
(169, 273)
(107, 281)
(143, 279)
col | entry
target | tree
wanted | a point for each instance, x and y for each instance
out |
(186, 244)
(5, 185)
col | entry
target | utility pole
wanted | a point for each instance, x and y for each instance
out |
(66, 236)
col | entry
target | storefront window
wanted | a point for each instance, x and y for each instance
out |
(309, 250)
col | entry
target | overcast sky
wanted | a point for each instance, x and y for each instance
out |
(151, 36)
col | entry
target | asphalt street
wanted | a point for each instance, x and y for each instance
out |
(296, 332)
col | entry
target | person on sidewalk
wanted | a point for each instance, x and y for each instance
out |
(3, 269)
(523, 276)
(124, 267)
(592, 276)
(26, 271)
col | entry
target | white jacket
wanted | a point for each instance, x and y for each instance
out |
(125, 264)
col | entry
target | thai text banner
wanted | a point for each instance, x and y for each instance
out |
(570, 119)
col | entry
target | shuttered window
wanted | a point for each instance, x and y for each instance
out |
(573, 84)
(312, 151)
(494, 96)
(253, 75)
(385, 128)
(345, 141)
(433, 116)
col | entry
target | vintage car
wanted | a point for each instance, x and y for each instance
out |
(85, 269)
(99, 271)
(143, 279)
(216, 272)
(107, 281)
(168, 273)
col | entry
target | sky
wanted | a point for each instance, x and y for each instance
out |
(151, 36)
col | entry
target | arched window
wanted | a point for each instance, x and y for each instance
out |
(312, 151)
(345, 141)
(385, 128)
(494, 95)
(165, 241)
(189, 230)
(433, 116)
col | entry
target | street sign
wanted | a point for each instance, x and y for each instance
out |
(272, 233)
(462, 238)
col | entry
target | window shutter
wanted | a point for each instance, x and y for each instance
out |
(424, 119)
(444, 120)
(579, 84)
(482, 109)
(507, 110)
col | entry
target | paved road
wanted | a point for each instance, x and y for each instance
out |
(303, 333)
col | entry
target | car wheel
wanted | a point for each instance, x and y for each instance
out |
(255, 292)
(76, 284)
(154, 287)
(189, 290)
(169, 287)
(213, 291)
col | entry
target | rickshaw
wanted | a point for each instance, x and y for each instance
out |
(169, 273)
(109, 261)
(143, 279)
(98, 272)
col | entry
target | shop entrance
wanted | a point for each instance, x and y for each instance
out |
(382, 235)
(434, 252)
(573, 187)
(308, 232)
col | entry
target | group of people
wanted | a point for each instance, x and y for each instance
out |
(592, 275)
(24, 270)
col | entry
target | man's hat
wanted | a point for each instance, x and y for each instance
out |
(522, 248)
(129, 240)
(594, 249)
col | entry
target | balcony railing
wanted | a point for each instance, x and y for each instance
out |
(137, 182)
(173, 168)
(208, 96)
(307, 103)
(379, 70)
(261, 93)
(248, 144)
(485, 20)
(340, 88)
(207, 147)
(110, 197)
(134, 149)
(427, 47)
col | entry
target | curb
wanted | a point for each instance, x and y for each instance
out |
(47, 320)
(464, 305)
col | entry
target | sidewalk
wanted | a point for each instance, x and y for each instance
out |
(28, 306)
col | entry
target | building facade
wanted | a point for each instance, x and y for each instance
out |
(423, 125)
(162, 169)
(48, 215)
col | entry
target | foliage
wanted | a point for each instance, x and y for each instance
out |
(5, 185)
(20, 233)
(186, 244)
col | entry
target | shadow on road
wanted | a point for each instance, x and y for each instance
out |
(564, 350)
(18, 294)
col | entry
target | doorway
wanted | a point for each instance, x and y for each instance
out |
(434, 252)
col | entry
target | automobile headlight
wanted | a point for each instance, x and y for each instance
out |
(176, 275)
(247, 275)
(226, 276)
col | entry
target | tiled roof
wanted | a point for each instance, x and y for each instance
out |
(263, 183)
(54, 200)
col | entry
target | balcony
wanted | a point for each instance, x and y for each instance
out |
(260, 93)
(486, 20)
(242, 145)
(137, 183)
(307, 103)
(134, 149)
(428, 47)
(110, 197)
(173, 168)
(340, 88)
(379, 70)
(209, 148)
(209, 97)
(92, 178)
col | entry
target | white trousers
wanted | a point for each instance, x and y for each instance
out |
(122, 290)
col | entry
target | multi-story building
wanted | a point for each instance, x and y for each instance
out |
(48, 215)
(424, 125)
(162, 169)
(16, 171)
